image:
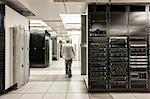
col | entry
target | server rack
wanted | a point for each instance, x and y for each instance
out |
(118, 48)
(39, 50)
(2, 49)
(83, 44)
(98, 49)
(50, 52)
(138, 48)
(55, 49)
(20, 55)
(148, 51)
(47, 49)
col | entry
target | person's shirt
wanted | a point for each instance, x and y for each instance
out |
(68, 51)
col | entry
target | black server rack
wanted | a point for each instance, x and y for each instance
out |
(138, 48)
(118, 48)
(47, 52)
(98, 49)
(83, 43)
(39, 50)
(2, 49)
(47, 48)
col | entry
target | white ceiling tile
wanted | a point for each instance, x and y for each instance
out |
(48, 10)
(76, 7)
(60, 7)
(44, 9)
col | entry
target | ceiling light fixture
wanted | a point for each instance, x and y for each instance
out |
(39, 25)
(109, 2)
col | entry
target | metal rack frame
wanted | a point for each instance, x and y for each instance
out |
(2, 49)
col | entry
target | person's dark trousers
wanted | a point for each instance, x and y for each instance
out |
(68, 67)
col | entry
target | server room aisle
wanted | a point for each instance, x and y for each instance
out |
(51, 83)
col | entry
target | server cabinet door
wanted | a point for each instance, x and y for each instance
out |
(83, 42)
(37, 50)
(46, 52)
(33, 50)
(50, 52)
(28, 48)
(22, 71)
(18, 56)
(55, 49)
(26, 57)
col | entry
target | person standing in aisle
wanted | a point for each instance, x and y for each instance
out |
(68, 55)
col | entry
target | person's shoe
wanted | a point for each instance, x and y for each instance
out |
(69, 76)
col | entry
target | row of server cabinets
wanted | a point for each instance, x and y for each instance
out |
(21, 63)
(40, 50)
(118, 47)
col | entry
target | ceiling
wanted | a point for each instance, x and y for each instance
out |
(49, 10)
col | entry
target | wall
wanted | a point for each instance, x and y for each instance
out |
(12, 18)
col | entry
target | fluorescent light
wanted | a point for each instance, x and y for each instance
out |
(36, 25)
(71, 18)
(73, 25)
(35, 21)
(74, 32)
(71, 21)
(39, 25)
